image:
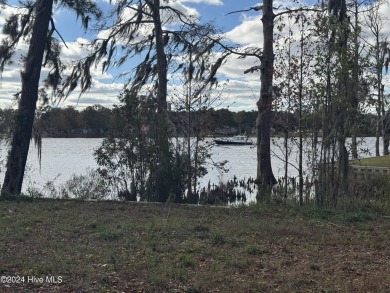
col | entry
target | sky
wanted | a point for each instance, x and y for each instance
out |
(240, 93)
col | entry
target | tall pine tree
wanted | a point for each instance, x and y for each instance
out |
(36, 25)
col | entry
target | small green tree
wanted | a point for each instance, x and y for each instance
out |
(194, 98)
(158, 33)
(128, 157)
(96, 117)
(265, 177)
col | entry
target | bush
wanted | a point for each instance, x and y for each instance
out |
(375, 187)
(89, 186)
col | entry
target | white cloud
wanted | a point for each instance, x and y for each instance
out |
(383, 21)
(169, 19)
(234, 68)
(105, 94)
(241, 93)
(7, 11)
(74, 50)
(12, 74)
(186, 10)
(249, 32)
(209, 2)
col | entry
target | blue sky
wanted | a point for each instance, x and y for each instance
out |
(240, 93)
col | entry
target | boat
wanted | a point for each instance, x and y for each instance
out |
(234, 140)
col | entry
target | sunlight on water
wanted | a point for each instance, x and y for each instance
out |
(61, 157)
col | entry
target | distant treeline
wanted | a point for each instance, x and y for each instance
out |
(95, 121)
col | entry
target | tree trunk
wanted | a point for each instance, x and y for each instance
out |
(265, 175)
(162, 64)
(300, 104)
(380, 100)
(385, 124)
(386, 136)
(191, 194)
(378, 129)
(386, 141)
(354, 148)
(164, 178)
(355, 85)
(20, 143)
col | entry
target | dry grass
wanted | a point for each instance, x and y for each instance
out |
(129, 247)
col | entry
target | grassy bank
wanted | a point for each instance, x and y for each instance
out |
(382, 161)
(130, 247)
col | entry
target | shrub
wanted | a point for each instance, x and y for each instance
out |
(89, 186)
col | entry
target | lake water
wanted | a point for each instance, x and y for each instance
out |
(63, 157)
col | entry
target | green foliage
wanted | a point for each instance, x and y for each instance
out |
(109, 235)
(89, 186)
(369, 188)
(68, 121)
(245, 121)
(186, 260)
(129, 156)
(357, 217)
(383, 161)
(323, 213)
(7, 122)
(253, 249)
(34, 192)
(96, 117)
(216, 238)
(62, 121)
(11, 27)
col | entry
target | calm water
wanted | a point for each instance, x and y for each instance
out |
(62, 157)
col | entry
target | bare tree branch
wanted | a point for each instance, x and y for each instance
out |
(255, 8)
(253, 69)
(298, 10)
(53, 28)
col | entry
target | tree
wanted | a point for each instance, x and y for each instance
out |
(7, 117)
(96, 117)
(332, 91)
(35, 23)
(30, 81)
(380, 52)
(265, 104)
(195, 97)
(245, 121)
(265, 175)
(297, 77)
(74, 118)
(359, 66)
(127, 157)
(339, 91)
(59, 120)
(6, 126)
(157, 33)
